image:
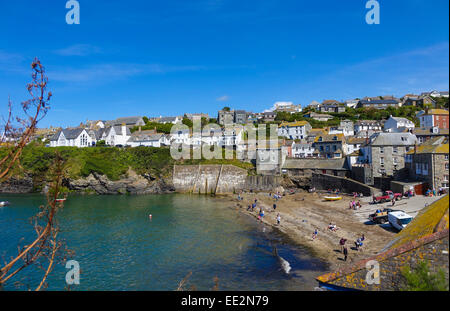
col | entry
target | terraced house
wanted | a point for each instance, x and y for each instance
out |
(429, 163)
(294, 130)
(330, 146)
(73, 137)
(385, 152)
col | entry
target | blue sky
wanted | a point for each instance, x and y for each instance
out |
(170, 57)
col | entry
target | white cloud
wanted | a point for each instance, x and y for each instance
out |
(78, 50)
(223, 98)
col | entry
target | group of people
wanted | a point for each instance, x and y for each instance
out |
(357, 195)
(358, 245)
(432, 192)
(261, 211)
(355, 205)
(276, 196)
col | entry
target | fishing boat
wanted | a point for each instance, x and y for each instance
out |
(4, 203)
(332, 198)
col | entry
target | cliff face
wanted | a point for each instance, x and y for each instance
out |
(99, 184)
(17, 185)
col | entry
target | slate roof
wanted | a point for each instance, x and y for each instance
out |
(321, 164)
(145, 137)
(126, 120)
(379, 101)
(393, 139)
(293, 124)
(69, 133)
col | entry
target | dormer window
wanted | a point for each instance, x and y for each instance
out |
(320, 138)
(335, 138)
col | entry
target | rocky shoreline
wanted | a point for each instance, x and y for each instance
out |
(95, 183)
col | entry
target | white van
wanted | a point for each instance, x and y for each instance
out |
(399, 219)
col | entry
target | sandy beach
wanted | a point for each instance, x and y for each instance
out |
(301, 213)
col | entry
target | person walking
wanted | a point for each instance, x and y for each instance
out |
(278, 218)
(345, 253)
(342, 244)
(314, 236)
(274, 207)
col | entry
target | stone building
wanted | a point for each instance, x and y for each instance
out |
(225, 117)
(430, 163)
(385, 152)
(330, 146)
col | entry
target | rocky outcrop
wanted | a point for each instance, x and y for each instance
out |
(131, 184)
(17, 185)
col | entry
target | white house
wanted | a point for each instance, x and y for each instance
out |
(294, 130)
(232, 136)
(302, 150)
(397, 124)
(352, 103)
(210, 136)
(173, 120)
(75, 137)
(116, 135)
(144, 139)
(181, 136)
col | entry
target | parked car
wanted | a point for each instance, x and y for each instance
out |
(399, 219)
(381, 216)
(387, 196)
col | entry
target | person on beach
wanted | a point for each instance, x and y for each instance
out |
(345, 253)
(393, 202)
(249, 207)
(274, 207)
(342, 244)
(261, 214)
(253, 206)
(278, 218)
(314, 236)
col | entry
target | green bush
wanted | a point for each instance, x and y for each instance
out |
(421, 279)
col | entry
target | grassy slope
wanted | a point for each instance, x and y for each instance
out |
(112, 162)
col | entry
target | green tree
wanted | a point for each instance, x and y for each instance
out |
(226, 109)
(187, 122)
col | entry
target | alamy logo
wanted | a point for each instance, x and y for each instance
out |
(73, 275)
(373, 272)
(373, 15)
(73, 16)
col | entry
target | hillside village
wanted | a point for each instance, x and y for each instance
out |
(405, 142)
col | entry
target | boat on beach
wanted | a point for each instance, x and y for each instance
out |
(329, 198)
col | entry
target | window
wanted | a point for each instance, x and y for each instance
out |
(446, 166)
(395, 150)
(382, 161)
(395, 161)
(445, 177)
(446, 157)
(381, 149)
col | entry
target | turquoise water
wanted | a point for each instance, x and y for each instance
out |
(119, 248)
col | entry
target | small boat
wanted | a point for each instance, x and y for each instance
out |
(60, 200)
(4, 203)
(332, 198)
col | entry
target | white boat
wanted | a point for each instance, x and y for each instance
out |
(4, 203)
